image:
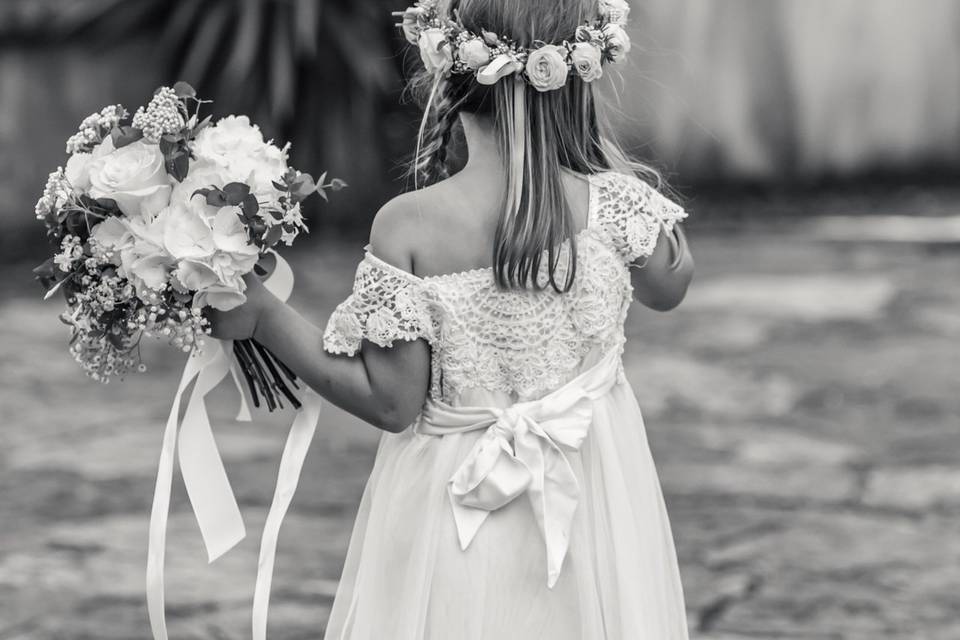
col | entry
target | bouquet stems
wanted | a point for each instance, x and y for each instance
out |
(266, 375)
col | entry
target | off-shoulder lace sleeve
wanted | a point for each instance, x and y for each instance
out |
(387, 304)
(632, 213)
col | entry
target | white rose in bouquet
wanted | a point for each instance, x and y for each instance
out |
(134, 176)
(213, 252)
(221, 297)
(194, 275)
(233, 150)
(80, 163)
(186, 235)
(143, 259)
(230, 138)
(78, 170)
(113, 234)
(235, 255)
(230, 235)
(203, 174)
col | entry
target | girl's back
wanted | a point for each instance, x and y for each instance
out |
(451, 226)
(426, 277)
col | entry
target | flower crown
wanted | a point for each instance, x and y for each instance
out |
(447, 47)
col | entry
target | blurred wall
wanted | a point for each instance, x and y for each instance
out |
(726, 90)
(44, 93)
(775, 89)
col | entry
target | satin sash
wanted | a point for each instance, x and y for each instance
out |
(522, 452)
(214, 504)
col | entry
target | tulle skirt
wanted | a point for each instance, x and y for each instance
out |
(407, 578)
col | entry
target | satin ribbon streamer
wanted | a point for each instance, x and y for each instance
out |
(205, 478)
(522, 452)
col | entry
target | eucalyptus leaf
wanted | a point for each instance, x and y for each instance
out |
(52, 291)
(123, 136)
(202, 125)
(47, 275)
(184, 90)
(168, 146)
(250, 205)
(236, 192)
(107, 206)
(272, 236)
(216, 198)
(180, 166)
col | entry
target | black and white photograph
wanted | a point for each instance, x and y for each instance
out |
(479, 320)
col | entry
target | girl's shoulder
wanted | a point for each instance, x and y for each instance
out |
(430, 231)
(393, 235)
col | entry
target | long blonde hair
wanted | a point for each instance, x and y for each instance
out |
(538, 135)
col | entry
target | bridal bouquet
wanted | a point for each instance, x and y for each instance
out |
(157, 217)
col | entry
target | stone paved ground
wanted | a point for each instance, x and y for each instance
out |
(803, 406)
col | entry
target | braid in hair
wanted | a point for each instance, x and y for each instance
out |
(431, 163)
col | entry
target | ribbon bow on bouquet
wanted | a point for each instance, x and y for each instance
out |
(205, 478)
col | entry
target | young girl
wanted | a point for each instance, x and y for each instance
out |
(513, 495)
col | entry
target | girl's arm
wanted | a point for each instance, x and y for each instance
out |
(383, 386)
(661, 281)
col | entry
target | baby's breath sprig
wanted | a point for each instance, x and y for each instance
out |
(95, 128)
(165, 115)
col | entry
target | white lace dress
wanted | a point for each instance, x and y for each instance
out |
(523, 503)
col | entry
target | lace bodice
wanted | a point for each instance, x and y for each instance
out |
(523, 343)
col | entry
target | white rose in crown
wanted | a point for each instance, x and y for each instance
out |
(547, 68)
(618, 42)
(475, 53)
(435, 51)
(616, 11)
(587, 60)
(134, 176)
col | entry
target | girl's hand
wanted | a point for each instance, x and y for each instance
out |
(241, 323)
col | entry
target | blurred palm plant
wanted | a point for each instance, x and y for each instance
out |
(319, 72)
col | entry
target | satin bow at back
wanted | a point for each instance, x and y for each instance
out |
(522, 452)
